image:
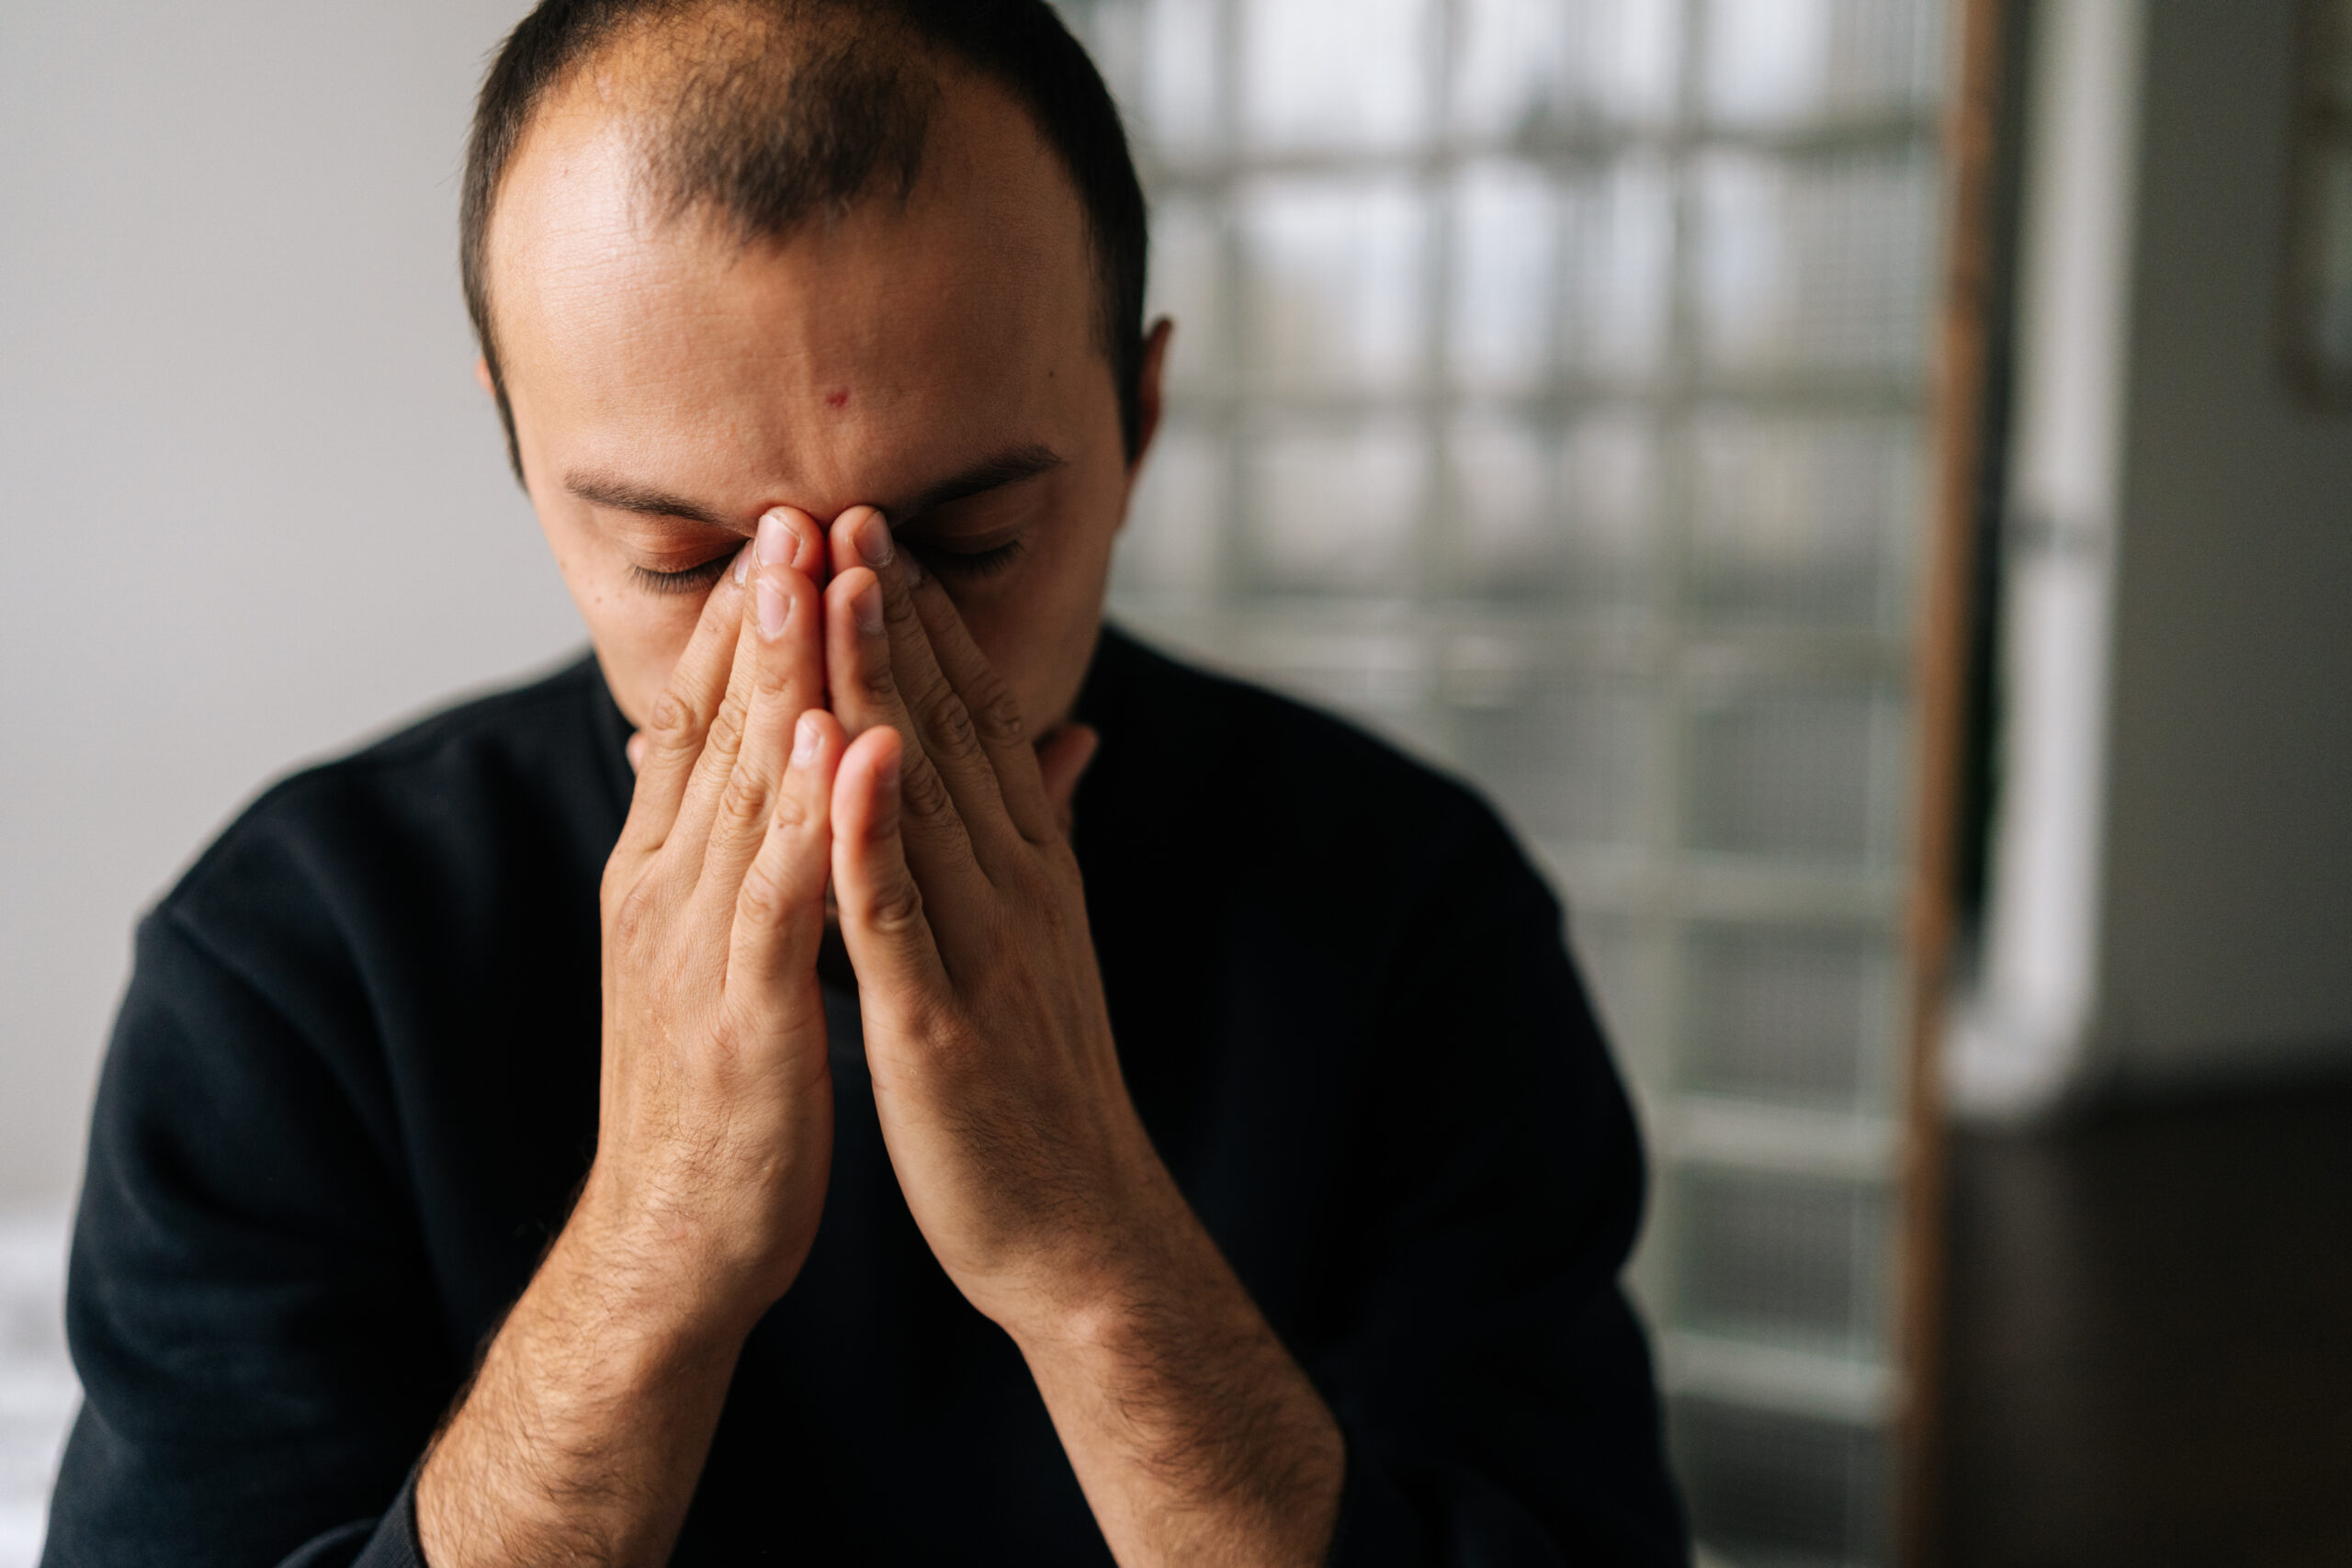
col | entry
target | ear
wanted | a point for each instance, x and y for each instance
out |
(1150, 399)
(481, 374)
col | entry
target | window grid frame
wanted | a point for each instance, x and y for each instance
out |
(1660, 888)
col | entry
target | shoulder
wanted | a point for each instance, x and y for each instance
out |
(1311, 793)
(444, 796)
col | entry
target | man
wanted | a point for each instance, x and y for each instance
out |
(506, 1159)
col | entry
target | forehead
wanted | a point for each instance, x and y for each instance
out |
(867, 336)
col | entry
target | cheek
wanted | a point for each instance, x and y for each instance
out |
(637, 636)
(639, 646)
(1037, 633)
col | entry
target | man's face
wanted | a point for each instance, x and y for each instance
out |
(937, 360)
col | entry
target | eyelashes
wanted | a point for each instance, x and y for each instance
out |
(690, 580)
(971, 566)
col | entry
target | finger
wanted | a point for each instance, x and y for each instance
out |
(1062, 761)
(811, 555)
(672, 740)
(866, 697)
(780, 907)
(994, 713)
(884, 922)
(784, 655)
(930, 713)
(772, 546)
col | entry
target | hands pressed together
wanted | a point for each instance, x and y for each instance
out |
(833, 723)
(852, 730)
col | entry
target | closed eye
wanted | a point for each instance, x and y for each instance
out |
(967, 565)
(687, 579)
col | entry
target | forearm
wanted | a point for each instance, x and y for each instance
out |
(1196, 1437)
(584, 1435)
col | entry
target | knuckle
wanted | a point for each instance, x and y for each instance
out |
(997, 713)
(672, 718)
(898, 609)
(762, 899)
(897, 908)
(635, 915)
(744, 801)
(923, 794)
(948, 722)
(771, 677)
(726, 736)
(1051, 912)
(791, 814)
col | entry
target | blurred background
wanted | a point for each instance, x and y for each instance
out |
(1866, 485)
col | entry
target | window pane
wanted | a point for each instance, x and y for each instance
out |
(1537, 512)
(1188, 284)
(1791, 1259)
(1334, 73)
(1160, 58)
(1573, 273)
(1336, 271)
(1506, 277)
(1794, 770)
(1563, 754)
(1379, 677)
(1800, 1015)
(1787, 1489)
(1803, 518)
(1171, 546)
(1620, 269)
(1179, 71)
(1335, 508)
(1821, 265)
(1526, 67)
(1781, 61)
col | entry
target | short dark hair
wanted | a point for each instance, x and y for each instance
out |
(807, 107)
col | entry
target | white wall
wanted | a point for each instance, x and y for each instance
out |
(252, 505)
(2172, 895)
(2229, 869)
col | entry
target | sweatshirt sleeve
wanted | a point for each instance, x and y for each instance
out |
(248, 1301)
(1494, 1386)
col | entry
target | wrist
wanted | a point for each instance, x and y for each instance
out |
(662, 1276)
(1123, 1285)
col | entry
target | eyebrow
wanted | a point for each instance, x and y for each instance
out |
(1006, 467)
(623, 495)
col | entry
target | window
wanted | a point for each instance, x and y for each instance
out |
(1549, 393)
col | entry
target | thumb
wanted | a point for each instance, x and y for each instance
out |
(1063, 758)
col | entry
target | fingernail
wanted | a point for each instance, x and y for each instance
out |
(774, 608)
(874, 545)
(868, 609)
(804, 739)
(742, 565)
(774, 540)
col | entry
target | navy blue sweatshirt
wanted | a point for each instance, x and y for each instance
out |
(352, 1090)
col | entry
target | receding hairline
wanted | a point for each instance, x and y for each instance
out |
(753, 50)
(645, 65)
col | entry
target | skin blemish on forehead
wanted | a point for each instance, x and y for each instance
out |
(838, 397)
